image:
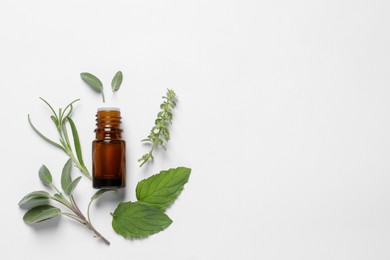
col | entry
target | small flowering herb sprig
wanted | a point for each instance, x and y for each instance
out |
(159, 134)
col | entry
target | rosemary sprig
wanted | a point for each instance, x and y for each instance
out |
(159, 134)
(60, 120)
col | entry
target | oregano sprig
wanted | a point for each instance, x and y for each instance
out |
(60, 121)
(38, 201)
(159, 134)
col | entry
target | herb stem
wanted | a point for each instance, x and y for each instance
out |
(74, 217)
(79, 216)
(89, 206)
(54, 187)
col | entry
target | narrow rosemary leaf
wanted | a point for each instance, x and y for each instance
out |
(44, 137)
(76, 141)
(35, 197)
(73, 185)
(51, 108)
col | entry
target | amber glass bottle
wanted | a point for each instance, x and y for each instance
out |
(108, 150)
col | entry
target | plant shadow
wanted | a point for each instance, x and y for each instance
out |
(46, 225)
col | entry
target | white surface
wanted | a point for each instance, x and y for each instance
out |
(284, 117)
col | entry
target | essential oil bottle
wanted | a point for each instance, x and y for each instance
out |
(108, 150)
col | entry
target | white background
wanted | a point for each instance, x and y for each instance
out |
(284, 118)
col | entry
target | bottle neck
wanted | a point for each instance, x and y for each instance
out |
(108, 124)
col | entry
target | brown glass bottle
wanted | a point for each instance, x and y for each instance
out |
(108, 150)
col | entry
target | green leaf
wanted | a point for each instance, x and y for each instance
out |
(162, 189)
(92, 81)
(73, 185)
(137, 220)
(51, 108)
(117, 81)
(76, 141)
(66, 178)
(44, 137)
(101, 192)
(34, 198)
(45, 175)
(41, 213)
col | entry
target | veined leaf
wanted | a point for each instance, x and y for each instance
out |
(76, 141)
(162, 189)
(73, 185)
(41, 213)
(34, 198)
(45, 175)
(117, 81)
(66, 178)
(92, 81)
(137, 220)
(51, 108)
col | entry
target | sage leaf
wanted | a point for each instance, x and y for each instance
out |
(45, 175)
(101, 192)
(66, 178)
(161, 190)
(72, 185)
(34, 199)
(92, 81)
(117, 81)
(41, 213)
(138, 220)
(76, 141)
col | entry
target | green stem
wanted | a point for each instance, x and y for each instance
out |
(79, 166)
(151, 150)
(87, 223)
(81, 221)
(54, 187)
(89, 206)
(63, 201)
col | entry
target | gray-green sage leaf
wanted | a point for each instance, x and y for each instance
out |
(93, 82)
(45, 175)
(117, 81)
(66, 178)
(41, 213)
(35, 198)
